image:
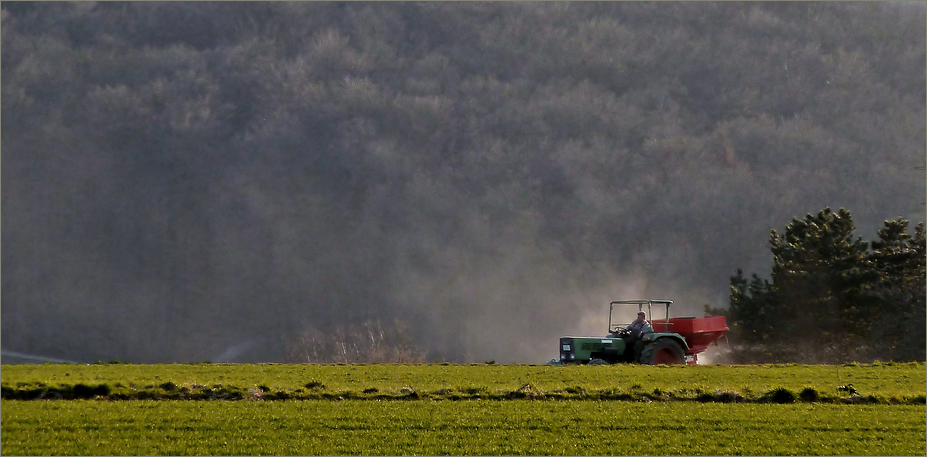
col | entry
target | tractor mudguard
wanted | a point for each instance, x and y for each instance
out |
(650, 337)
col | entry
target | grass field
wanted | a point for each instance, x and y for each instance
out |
(499, 410)
(875, 383)
(470, 427)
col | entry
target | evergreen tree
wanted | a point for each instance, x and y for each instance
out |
(817, 276)
(898, 291)
(830, 298)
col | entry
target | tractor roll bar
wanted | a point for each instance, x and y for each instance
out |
(640, 307)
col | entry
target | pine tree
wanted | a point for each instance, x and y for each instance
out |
(831, 295)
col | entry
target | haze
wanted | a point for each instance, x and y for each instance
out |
(192, 181)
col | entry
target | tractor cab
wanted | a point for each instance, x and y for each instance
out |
(616, 325)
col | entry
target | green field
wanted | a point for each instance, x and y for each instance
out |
(873, 383)
(471, 427)
(410, 409)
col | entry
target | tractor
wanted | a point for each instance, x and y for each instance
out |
(676, 340)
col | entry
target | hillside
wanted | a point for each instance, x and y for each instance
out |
(188, 181)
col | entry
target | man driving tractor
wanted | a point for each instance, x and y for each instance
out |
(632, 335)
(639, 326)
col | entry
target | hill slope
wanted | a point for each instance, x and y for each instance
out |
(182, 179)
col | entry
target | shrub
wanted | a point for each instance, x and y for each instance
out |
(809, 394)
(82, 390)
(780, 395)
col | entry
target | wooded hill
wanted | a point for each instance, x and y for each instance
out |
(187, 181)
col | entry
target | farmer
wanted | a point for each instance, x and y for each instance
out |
(632, 335)
(639, 327)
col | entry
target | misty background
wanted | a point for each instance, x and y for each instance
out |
(198, 181)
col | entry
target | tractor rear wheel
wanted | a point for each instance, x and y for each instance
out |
(663, 351)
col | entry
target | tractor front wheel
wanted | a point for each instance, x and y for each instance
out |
(663, 351)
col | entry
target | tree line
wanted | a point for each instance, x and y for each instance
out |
(833, 297)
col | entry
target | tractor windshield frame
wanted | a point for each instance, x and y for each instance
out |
(642, 305)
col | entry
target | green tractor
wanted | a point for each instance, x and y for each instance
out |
(676, 340)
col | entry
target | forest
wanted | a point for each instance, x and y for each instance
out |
(446, 181)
